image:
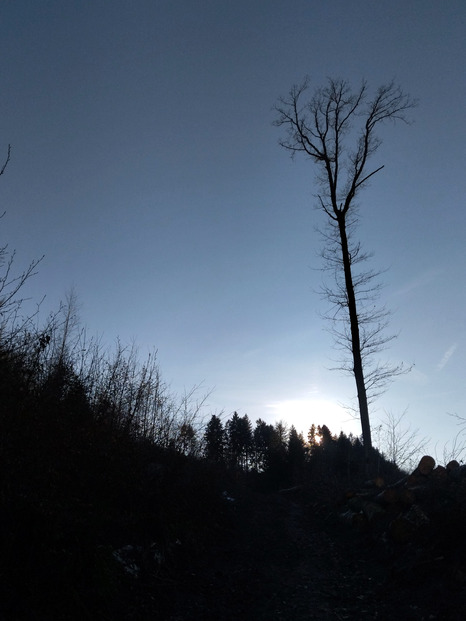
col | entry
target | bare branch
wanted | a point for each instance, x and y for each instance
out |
(5, 164)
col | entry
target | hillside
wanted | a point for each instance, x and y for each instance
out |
(115, 504)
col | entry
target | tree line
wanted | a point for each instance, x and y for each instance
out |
(280, 454)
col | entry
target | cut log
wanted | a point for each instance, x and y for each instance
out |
(378, 483)
(426, 465)
(393, 497)
(389, 496)
(417, 516)
(400, 483)
(440, 473)
(290, 490)
(457, 473)
(401, 530)
(372, 510)
(407, 496)
(360, 521)
(415, 479)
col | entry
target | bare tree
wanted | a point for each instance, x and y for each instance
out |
(399, 442)
(455, 450)
(336, 129)
(11, 284)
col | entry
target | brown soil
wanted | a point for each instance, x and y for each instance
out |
(284, 558)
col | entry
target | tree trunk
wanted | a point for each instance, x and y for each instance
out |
(358, 369)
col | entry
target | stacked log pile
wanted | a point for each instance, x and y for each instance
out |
(428, 504)
(416, 530)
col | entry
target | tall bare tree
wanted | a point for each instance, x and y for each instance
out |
(336, 129)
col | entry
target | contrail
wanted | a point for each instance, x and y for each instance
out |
(446, 356)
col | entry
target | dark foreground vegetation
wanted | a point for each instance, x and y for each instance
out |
(117, 503)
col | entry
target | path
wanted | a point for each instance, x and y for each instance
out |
(282, 561)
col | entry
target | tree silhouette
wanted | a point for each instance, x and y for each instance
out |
(325, 436)
(263, 439)
(336, 129)
(296, 454)
(214, 438)
(311, 437)
(239, 438)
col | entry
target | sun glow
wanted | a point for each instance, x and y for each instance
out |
(302, 413)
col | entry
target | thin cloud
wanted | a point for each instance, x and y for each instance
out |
(446, 356)
(421, 281)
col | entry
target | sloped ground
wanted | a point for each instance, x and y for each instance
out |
(259, 556)
(287, 559)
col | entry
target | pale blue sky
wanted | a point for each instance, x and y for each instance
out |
(146, 168)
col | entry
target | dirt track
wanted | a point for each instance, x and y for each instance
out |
(285, 560)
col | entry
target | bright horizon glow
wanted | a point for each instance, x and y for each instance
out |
(302, 413)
